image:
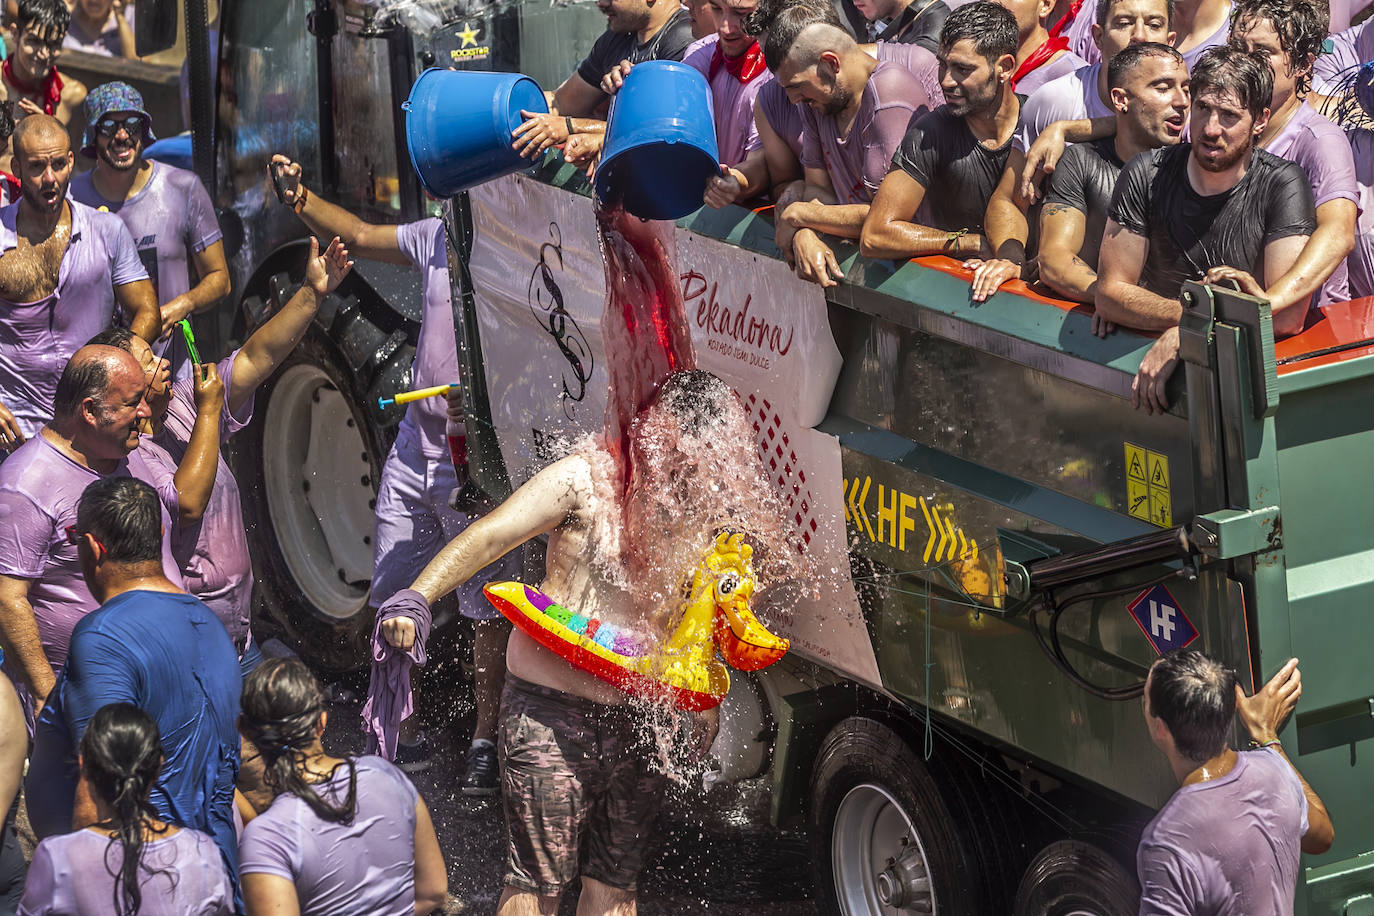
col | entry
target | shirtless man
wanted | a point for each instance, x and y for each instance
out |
(55, 296)
(549, 705)
(30, 74)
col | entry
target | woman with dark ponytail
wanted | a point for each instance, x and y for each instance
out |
(128, 863)
(342, 837)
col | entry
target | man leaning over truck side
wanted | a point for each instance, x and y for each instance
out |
(1228, 841)
(30, 74)
(414, 517)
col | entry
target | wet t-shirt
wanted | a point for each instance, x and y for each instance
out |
(1322, 149)
(668, 43)
(736, 135)
(1228, 846)
(919, 62)
(170, 218)
(1361, 260)
(212, 553)
(1080, 33)
(958, 173)
(781, 114)
(105, 42)
(919, 23)
(182, 875)
(1084, 181)
(1216, 39)
(1068, 98)
(1062, 65)
(858, 162)
(436, 351)
(37, 338)
(1341, 57)
(366, 866)
(1190, 233)
(166, 654)
(39, 491)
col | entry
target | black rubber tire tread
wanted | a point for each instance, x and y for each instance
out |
(1070, 876)
(863, 750)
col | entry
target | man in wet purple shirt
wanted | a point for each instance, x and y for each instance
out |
(855, 111)
(85, 263)
(1229, 839)
(195, 484)
(414, 516)
(99, 402)
(1290, 34)
(166, 209)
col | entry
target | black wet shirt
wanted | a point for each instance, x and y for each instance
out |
(1190, 233)
(958, 173)
(668, 43)
(918, 24)
(1084, 181)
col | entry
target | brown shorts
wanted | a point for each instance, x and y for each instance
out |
(581, 788)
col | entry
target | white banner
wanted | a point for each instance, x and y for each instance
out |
(540, 289)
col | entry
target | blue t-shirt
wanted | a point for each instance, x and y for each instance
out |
(169, 655)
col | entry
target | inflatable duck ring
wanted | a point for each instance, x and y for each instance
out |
(684, 671)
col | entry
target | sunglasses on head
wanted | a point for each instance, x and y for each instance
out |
(74, 537)
(108, 127)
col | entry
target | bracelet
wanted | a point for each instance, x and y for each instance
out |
(1255, 745)
(302, 196)
(568, 120)
(955, 236)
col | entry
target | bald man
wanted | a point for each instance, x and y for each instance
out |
(100, 399)
(854, 113)
(64, 268)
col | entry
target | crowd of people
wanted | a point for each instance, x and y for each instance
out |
(1108, 151)
(1102, 150)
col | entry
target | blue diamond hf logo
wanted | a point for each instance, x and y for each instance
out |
(1161, 620)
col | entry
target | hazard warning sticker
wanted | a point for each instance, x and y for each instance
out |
(1162, 620)
(1147, 486)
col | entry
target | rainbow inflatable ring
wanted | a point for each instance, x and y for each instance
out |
(684, 671)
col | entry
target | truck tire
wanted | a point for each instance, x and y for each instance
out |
(883, 839)
(1073, 878)
(308, 468)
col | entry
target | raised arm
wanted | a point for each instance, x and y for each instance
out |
(195, 475)
(266, 347)
(888, 232)
(1263, 715)
(363, 239)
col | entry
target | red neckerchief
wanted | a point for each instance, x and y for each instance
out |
(743, 68)
(50, 91)
(1064, 23)
(1052, 46)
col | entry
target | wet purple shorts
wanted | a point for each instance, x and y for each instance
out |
(581, 785)
(415, 521)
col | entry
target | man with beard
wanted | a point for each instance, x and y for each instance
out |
(101, 399)
(30, 76)
(1214, 209)
(854, 111)
(950, 159)
(1081, 94)
(166, 209)
(1149, 88)
(579, 781)
(63, 269)
(636, 31)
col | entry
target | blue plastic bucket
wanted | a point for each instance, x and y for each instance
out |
(660, 147)
(458, 126)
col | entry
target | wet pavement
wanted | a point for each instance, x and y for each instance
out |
(714, 852)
